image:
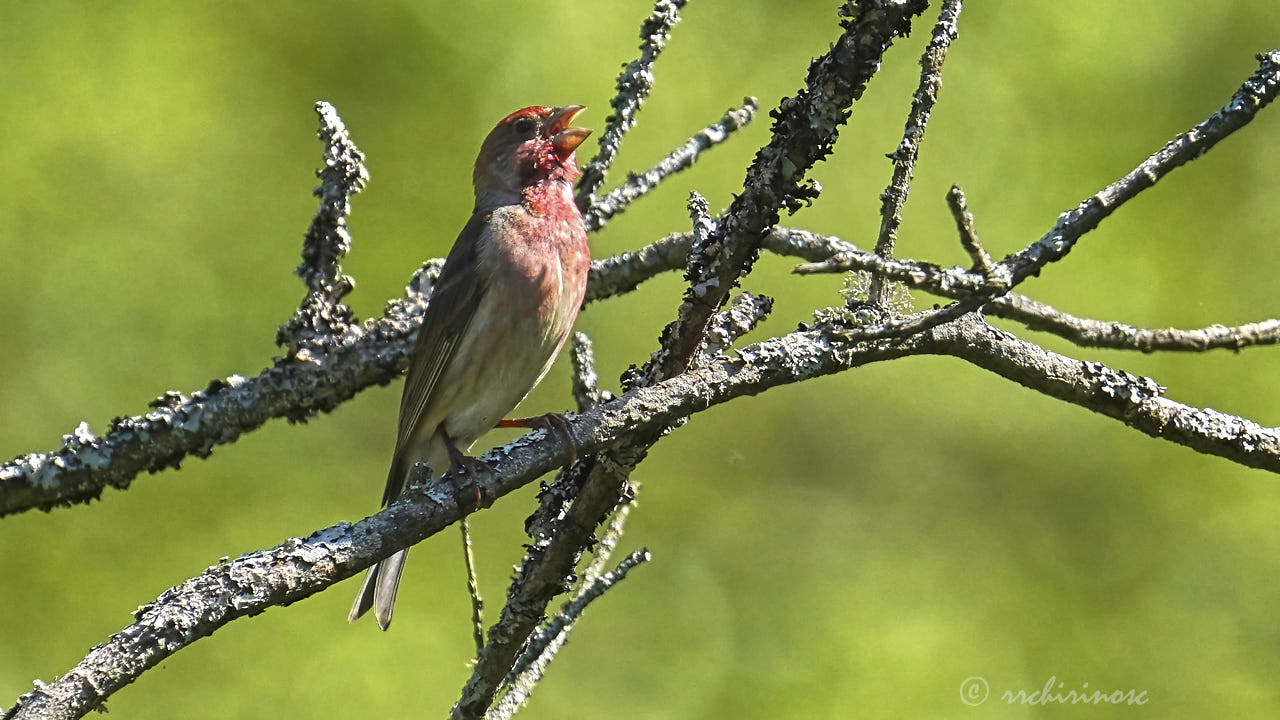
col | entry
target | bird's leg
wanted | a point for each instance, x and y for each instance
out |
(554, 423)
(464, 468)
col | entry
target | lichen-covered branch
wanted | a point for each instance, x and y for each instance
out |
(181, 425)
(958, 283)
(624, 272)
(586, 384)
(805, 129)
(327, 241)
(1256, 93)
(1138, 402)
(1086, 332)
(969, 240)
(703, 273)
(682, 158)
(331, 356)
(542, 649)
(300, 567)
(634, 84)
(739, 318)
(321, 316)
(904, 156)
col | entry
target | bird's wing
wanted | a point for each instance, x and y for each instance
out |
(453, 303)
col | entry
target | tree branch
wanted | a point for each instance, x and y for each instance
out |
(331, 357)
(300, 567)
(321, 317)
(682, 158)
(1110, 334)
(805, 129)
(959, 207)
(1138, 402)
(539, 653)
(904, 156)
(634, 84)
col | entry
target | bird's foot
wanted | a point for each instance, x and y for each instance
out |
(556, 424)
(463, 469)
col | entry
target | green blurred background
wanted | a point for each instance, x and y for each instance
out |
(857, 545)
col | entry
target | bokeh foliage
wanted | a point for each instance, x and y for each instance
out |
(854, 546)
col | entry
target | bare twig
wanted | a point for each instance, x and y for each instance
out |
(959, 283)
(681, 158)
(904, 156)
(634, 84)
(968, 235)
(473, 586)
(543, 646)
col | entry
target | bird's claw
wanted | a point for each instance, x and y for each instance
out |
(463, 469)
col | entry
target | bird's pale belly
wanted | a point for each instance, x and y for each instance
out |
(478, 392)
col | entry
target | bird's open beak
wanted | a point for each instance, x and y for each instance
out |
(564, 137)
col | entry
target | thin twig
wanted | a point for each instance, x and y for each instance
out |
(1120, 336)
(544, 645)
(968, 234)
(586, 384)
(634, 84)
(608, 543)
(1256, 93)
(959, 283)
(904, 156)
(682, 158)
(473, 586)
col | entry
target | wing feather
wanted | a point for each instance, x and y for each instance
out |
(452, 305)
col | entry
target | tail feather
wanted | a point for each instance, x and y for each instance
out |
(379, 590)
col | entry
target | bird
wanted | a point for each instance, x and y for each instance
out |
(501, 309)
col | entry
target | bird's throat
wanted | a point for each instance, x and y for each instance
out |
(551, 198)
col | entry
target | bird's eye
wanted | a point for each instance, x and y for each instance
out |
(525, 127)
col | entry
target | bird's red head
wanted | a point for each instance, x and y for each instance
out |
(527, 147)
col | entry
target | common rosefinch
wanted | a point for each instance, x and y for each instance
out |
(501, 309)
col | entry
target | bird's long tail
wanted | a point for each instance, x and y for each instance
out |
(381, 581)
(379, 590)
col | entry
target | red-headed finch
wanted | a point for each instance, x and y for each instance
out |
(501, 309)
